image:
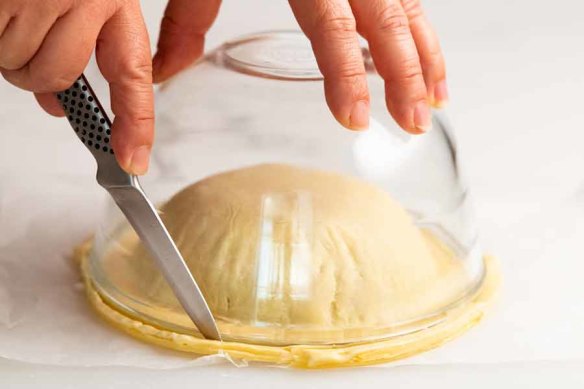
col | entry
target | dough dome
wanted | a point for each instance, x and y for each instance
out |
(279, 247)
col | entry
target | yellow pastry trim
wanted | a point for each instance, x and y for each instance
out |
(455, 322)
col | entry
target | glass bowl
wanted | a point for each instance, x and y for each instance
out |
(335, 237)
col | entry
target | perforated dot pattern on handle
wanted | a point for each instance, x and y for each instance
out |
(86, 116)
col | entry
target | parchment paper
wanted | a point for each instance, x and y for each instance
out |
(44, 317)
(533, 223)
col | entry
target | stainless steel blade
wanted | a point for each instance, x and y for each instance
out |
(93, 127)
(143, 217)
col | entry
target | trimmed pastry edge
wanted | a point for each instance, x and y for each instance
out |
(456, 322)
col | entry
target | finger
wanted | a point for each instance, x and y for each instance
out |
(182, 35)
(123, 56)
(6, 18)
(429, 51)
(65, 51)
(24, 35)
(50, 104)
(385, 25)
(330, 26)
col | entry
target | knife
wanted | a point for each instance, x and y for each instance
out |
(93, 128)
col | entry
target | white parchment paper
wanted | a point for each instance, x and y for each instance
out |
(520, 119)
(44, 317)
(533, 222)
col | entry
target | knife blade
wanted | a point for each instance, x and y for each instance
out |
(146, 222)
(93, 128)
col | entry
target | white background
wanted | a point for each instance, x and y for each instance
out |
(516, 71)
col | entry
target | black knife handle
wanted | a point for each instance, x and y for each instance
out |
(87, 117)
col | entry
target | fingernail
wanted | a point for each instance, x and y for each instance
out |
(423, 117)
(140, 159)
(440, 94)
(359, 118)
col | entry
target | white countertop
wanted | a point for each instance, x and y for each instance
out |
(534, 375)
(516, 80)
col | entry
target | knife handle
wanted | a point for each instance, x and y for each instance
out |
(87, 117)
(93, 127)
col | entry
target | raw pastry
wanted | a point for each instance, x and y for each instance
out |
(286, 255)
(454, 323)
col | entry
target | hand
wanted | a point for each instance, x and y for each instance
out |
(404, 48)
(46, 44)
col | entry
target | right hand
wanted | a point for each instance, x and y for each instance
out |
(404, 48)
(46, 44)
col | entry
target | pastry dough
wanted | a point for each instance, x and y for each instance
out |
(452, 324)
(286, 255)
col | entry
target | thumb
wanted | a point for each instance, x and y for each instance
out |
(182, 35)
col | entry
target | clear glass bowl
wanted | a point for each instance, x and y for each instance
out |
(259, 100)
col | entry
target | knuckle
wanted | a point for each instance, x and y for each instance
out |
(18, 78)
(141, 72)
(144, 118)
(434, 61)
(409, 72)
(5, 14)
(106, 8)
(146, 137)
(13, 7)
(52, 82)
(13, 78)
(412, 8)
(412, 75)
(140, 125)
(338, 25)
(393, 20)
(56, 6)
(350, 71)
(13, 57)
(434, 55)
(170, 26)
(351, 77)
(12, 60)
(57, 84)
(135, 71)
